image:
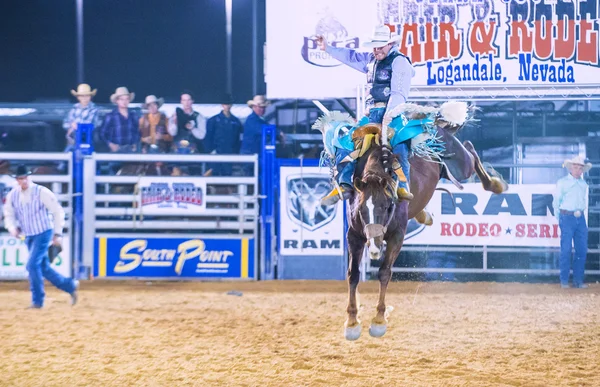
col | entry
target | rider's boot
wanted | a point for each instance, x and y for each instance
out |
(344, 188)
(402, 172)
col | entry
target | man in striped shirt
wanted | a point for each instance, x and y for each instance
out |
(26, 214)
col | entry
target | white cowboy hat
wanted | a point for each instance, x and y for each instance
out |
(152, 99)
(381, 36)
(120, 92)
(84, 89)
(259, 100)
(578, 160)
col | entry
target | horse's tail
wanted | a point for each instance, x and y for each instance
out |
(449, 193)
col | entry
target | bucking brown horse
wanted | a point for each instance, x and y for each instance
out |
(376, 215)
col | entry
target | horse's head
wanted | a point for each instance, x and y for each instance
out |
(376, 204)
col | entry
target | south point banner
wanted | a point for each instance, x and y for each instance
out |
(530, 45)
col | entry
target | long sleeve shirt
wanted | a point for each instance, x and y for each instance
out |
(82, 115)
(223, 134)
(402, 71)
(571, 195)
(120, 130)
(11, 221)
(252, 138)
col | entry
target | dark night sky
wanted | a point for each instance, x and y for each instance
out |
(151, 46)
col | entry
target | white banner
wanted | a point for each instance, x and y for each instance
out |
(305, 226)
(296, 67)
(536, 47)
(520, 217)
(172, 195)
(14, 256)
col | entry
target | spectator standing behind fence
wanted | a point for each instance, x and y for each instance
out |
(84, 112)
(153, 126)
(26, 215)
(223, 133)
(252, 138)
(570, 203)
(188, 126)
(120, 131)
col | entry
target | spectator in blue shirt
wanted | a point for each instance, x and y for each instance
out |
(120, 131)
(570, 203)
(251, 142)
(223, 133)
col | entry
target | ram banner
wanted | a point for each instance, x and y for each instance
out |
(305, 226)
(539, 47)
(522, 216)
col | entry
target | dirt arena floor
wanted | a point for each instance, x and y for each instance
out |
(291, 334)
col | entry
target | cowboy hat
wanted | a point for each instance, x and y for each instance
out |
(381, 36)
(152, 99)
(226, 99)
(578, 160)
(259, 100)
(84, 89)
(21, 171)
(120, 92)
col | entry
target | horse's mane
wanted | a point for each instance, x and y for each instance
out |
(378, 181)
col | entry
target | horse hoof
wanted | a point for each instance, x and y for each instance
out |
(424, 217)
(377, 330)
(352, 333)
(498, 185)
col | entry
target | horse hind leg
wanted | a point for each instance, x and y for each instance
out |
(493, 184)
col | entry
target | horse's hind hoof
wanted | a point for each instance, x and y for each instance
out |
(423, 217)
(377, 330)
(498, 186)
(352, 333)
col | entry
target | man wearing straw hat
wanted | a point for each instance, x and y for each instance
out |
(27, 215)
(84, 112)
(389, 76)
(570, 203)
(121, 126)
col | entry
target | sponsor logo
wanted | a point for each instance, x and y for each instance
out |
(336, 35)
(169, 195)
(304, 193)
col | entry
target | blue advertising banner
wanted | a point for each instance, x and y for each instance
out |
(174, 257)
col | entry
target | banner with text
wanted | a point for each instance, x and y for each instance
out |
(174, 257)
(305, 226)
(172, 195)
(523, 216)
(14, 256)
(452, 43)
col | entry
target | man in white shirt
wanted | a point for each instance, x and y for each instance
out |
(570, 203)
(26, 214)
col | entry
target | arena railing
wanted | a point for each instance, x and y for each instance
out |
(117, 192)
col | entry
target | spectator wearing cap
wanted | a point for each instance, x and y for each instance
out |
(120, 131)
(153, 126)
(83, 112)
(187, 126)
(251, 142)
(32, 212)
(223, 133)
(570, 203)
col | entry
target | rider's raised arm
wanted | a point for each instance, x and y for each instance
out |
(402, 73)
(348, 56)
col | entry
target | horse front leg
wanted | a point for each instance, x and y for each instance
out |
(356, 245)
(493, 184)
(379, 322)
